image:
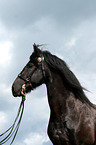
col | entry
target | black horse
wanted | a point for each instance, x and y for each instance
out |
(72, 115)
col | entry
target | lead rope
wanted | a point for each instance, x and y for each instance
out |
(14, 128)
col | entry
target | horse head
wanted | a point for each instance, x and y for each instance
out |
(32, 75)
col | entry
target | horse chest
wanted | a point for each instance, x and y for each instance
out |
(71, 123)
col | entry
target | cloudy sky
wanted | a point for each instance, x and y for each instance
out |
(68, 27)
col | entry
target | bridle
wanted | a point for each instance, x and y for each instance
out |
(28, 80)
(14, 128)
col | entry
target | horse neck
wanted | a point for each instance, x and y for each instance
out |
(56, 88)
(58, 93)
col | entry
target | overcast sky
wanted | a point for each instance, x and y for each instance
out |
(68, 27)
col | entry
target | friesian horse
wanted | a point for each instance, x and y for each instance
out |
(72, 115)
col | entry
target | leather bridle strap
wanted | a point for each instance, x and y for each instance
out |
(27, 80)
(43, 69)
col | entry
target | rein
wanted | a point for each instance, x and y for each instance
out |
(14, 128)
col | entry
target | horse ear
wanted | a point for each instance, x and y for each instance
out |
(36, 49)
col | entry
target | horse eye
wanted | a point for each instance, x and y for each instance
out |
(39, 59)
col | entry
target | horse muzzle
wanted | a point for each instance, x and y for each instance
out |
(20, 92)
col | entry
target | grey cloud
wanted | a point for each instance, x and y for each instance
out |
(19, 14)
(47, 143)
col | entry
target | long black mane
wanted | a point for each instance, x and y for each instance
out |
(69, 79)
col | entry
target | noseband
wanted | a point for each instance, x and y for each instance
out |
(28, 80)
